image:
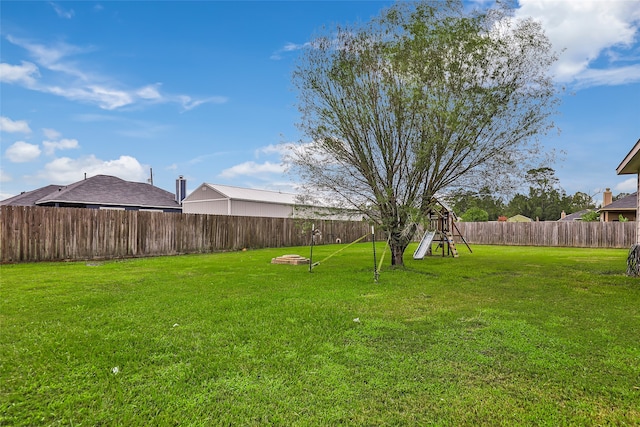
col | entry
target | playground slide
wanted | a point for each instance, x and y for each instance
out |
(424, 245)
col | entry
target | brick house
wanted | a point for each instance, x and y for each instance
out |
(100, 192)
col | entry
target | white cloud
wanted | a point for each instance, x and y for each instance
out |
(288, 47)
(105, 98)
(253, 169)
(21, 152)
(149, 92)
(609, 77)
(278, 149)
(585, 30)
(11, 126)
(189, 104)
(291, 47)
(52, 57)
(51, 133)
(64, 144)
(78, 84)
(65, 170)
(62, 13)
(19, 74)
(627, 186)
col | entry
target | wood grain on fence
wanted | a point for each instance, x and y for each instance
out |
(50, 234)
(576, 234)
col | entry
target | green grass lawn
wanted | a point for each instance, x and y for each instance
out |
(503, 336)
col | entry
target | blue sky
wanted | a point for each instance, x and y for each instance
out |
(203, 89)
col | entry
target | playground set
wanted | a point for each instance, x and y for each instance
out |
(440, 228)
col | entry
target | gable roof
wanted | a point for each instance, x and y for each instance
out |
(626, 203)
(631, 162)
(250, 194)
(104, 190)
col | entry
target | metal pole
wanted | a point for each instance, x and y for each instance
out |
(313, 228)
(375, 263)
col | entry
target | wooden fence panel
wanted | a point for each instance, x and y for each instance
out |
(549, 233)
(30, 233)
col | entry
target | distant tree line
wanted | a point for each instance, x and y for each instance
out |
(544, 201)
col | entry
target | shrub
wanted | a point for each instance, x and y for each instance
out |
(590, 216)
(475, 214)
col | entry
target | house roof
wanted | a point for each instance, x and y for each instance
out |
(576, 216)
(627, 203)
(250, 194)
(29, 198)
(631, 163)
(99, 190)
(519, 218)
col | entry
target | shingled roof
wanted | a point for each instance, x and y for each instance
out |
(576, 216)
(626, 203)
(99, 190)
(29, 198)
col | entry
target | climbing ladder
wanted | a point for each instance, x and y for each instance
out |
(452, 244)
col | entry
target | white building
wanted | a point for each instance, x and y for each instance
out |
(215, 199)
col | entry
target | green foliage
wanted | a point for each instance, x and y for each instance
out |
(621, 218)
(546, 199)
(591, 216)
(475, 214)
(462, 200)
(498, 337)
(578, 202)
(426, 97)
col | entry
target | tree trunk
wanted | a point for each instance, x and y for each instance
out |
(397, 251)
(399, 238)
(398, 244)
(633, 261)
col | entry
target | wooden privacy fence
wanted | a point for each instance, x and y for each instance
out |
(50, 234)
(576, 234)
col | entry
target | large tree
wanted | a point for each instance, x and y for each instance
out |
(427, 97)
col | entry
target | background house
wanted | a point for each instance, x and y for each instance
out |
(216, 199)
(625, 206)
(631, 166)
(100, 192)
(576, 216)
